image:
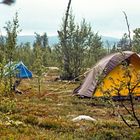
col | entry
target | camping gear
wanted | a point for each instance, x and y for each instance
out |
(108, 75)
(19, 70)
(83, 117)
(23, 71)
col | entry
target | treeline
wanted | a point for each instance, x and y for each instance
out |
(83, 48)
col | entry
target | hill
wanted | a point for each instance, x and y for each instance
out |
(26, 38)
(110, 40)
(54, 39)
(31, 38)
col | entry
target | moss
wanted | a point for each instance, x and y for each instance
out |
(49, 116)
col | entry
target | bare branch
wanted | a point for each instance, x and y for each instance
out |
(129, 33)
(66, 19)
(124, 120)
(126, 108)
(133, 110)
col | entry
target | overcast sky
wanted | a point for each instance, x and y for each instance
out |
(105, 16)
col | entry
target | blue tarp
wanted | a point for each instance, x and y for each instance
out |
(19, 70)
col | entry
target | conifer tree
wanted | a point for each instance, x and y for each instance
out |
(12, 29)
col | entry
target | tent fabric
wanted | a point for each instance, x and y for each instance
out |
(22, 71)
(19, 70)
(101, 70)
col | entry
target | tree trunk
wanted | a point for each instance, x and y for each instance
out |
(66, 59)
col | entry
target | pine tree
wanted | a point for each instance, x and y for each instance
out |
(136, 40)
(38, 67)
(12, 29)
(79, 40)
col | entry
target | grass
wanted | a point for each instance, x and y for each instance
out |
(48, 116)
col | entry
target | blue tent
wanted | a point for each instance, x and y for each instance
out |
(22, 71)
(19, 70)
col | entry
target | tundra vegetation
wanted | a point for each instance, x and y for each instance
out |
(46, 108)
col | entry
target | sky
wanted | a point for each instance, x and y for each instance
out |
(105, 16)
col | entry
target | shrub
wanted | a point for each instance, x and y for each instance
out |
(8, 106)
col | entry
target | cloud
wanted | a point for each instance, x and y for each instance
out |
(105, 16)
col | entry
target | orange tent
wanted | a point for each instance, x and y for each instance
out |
(117, 75)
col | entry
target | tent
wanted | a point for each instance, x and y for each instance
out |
(108, 75)
(19, 70)
(23, 71)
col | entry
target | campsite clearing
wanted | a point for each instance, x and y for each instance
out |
(49, 115)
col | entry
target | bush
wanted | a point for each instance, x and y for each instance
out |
(7, 105)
